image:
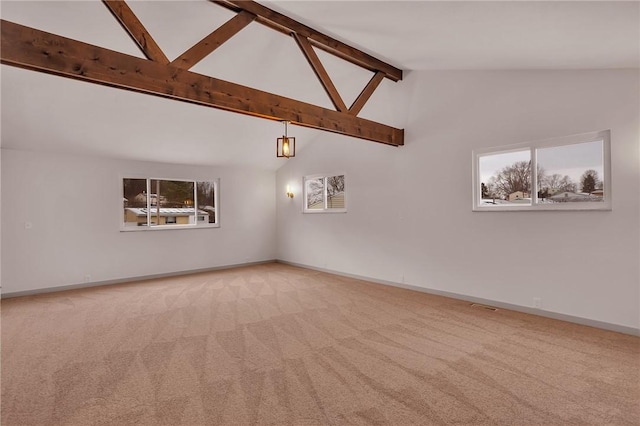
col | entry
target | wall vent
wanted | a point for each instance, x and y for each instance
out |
(489, 308)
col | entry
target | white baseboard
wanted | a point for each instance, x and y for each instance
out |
(127, 280)
(525, 309)
(540, 312)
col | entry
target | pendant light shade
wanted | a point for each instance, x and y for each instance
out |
(286, 146)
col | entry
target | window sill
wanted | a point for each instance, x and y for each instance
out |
(324, 211)
(165, 227)
(582, 206)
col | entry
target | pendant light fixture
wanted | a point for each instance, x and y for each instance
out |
(286, 146)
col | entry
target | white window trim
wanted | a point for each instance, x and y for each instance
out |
(324, 210)
(195, 225)
(606, 204)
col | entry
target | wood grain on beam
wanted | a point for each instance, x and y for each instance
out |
(38, 50)
(279, 22)
(366, 93)
(214, 40)
(136, 30)
(320, 71)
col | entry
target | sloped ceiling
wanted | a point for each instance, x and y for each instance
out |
(481, 35)
(44, 112)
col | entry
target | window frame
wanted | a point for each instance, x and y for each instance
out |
(149, 226)
(324, 196)
(606, 204)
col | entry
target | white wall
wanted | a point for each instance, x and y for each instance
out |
(409, 214)
(0, 220)
(74, 205)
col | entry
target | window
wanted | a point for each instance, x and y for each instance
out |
(169, 204)
(324, 194)
(568, 173)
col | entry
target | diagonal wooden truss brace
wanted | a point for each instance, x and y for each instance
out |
(214, 40)
(136, 30)
(306, 38)
(321, 73)
(286, 25)
(38, 50)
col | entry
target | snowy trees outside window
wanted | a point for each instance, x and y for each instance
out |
(324, 194)
(557, 174)
(169, 204)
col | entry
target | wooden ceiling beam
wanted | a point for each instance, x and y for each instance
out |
(136, 30)
(34, 49)
(285, 24)
(366, 93)
(321, 72)
(214, 40)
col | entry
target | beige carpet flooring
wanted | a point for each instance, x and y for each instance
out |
(280, 345)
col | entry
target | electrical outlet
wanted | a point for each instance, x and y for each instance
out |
(537, 302)
(87, 278)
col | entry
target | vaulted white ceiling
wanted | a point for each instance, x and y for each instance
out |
(44, 112)
(482, 35)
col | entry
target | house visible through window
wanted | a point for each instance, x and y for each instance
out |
(164, 203)
(324, 194)
(571, 172)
